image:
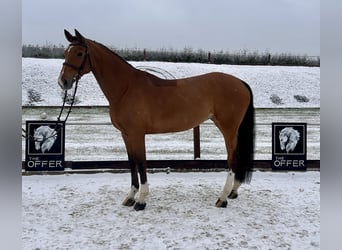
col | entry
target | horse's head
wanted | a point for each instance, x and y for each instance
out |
(77, 61)
(44, 138)
(288, 138)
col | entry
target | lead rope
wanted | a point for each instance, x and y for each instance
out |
(71, 105)
(30, 137)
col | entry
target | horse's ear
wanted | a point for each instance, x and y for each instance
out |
(79, 37)
(68, 36)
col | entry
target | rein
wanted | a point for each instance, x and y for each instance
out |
(78, 77)
(32, 138)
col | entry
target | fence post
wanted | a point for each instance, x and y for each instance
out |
(269, 59)
(144, 54)
(209, 57)
(197, 146)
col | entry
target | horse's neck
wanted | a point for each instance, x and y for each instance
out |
(110, 71)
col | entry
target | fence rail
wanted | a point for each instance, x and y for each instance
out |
(95, 121)
(161, 166)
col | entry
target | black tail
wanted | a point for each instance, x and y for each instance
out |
(246, 144)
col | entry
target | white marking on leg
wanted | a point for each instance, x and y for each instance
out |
(132, 193)
(144, 191)
(130, 197)
(234, 192)
(228, 187)
(237, 184)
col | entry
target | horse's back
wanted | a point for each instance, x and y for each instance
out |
(216, 82)
(206, 86)
(219, 88)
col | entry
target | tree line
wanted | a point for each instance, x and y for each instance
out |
(187, 55)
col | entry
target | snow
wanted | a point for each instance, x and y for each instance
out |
(78, 211)
(283, 82)
(278, 210)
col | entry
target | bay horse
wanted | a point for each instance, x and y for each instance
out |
(141, 103)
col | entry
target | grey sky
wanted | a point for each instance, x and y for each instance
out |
(272, 25)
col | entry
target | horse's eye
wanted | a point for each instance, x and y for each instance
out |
(79, 54)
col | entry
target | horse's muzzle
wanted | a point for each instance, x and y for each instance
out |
(66, 83)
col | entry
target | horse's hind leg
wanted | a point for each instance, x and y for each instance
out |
(231, 185)
(234, 193)
(228, 187)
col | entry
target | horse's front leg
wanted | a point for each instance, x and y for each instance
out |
(130, 199)
(144, 190)
(135, 145)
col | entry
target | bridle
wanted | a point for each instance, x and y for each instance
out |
(80, 68)
(78, 77)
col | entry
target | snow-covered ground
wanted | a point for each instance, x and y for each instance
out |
(275, 211)
(39, 77)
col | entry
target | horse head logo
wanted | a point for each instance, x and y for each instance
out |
(44, 138)
(288, 138)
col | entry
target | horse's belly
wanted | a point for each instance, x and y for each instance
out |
(177, 122)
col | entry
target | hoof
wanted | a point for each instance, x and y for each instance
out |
(220, 203)
(128, 202)
(139, 206)
(233, 195)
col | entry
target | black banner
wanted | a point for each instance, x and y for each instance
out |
(289, 146)
(45, 146)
